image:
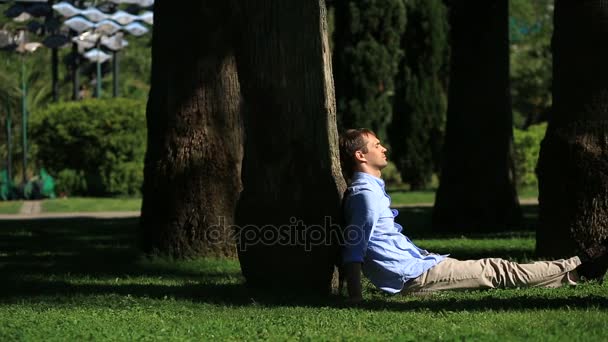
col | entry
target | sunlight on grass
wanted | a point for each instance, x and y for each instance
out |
(76, 204)
(399, 198)
(84, 279)
(403, 197)
(10, 207)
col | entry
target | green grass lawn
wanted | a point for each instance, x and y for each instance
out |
(83, 279)
(401, 197)
(77, 204)
(10, 207)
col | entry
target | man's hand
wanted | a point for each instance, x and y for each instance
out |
(353, 282)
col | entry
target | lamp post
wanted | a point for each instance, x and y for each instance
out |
(24, 47)
(9, 142)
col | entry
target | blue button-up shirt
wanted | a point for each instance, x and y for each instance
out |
(373, 238)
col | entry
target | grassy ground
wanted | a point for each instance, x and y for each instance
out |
(401, 197)
(77, 204)
(10, 207)
(84, 279)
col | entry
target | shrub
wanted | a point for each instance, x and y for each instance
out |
(95, 147)
(70, 182)
(527, 147)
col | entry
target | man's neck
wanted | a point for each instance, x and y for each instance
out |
(369, 171)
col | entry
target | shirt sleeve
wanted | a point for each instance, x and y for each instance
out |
(361, 218)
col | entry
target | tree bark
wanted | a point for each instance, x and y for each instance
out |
(477, 189)
(573, 164)
(194, 149)
(291, 175)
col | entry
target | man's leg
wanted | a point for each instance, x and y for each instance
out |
(453, 274)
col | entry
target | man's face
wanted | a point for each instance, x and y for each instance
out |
(375, 156)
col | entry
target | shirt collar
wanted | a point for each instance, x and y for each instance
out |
(363, 175)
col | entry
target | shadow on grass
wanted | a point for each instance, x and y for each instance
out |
(54, 260)
(77, 246)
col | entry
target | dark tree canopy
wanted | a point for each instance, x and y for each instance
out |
(367, 52)
(416, 130)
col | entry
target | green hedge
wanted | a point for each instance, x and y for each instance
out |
(527, 147)
(92, 147)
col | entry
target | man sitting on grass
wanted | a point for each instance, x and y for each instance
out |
(375, 245)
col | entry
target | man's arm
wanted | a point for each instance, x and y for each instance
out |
(361, 218)
(353, 281)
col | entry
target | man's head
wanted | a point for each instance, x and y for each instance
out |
(360, 150)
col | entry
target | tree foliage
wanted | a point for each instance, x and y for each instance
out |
(417, 127)
(367, 52)
(530, 29)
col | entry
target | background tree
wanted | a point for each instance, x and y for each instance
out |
(530, 30)
(477, 188)
(194, 149)
(573, 164)
(291, 174)
(367, 52)
(416, 130)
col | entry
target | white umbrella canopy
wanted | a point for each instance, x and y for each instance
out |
(22, 17)
(96, 55)
(28, 47)
(136, 29)
(124, 18)
(66, 9)
(115, 42)
(94, 15)
(147, 17)
(86, 40)
(79, 24)
(107, 27)
(141, 3)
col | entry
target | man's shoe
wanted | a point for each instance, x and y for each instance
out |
(594, 263)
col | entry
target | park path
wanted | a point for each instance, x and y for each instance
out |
(31, 208)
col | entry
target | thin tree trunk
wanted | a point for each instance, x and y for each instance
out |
(291, 175)
(573, 164)
(477, 189)
(194, 151)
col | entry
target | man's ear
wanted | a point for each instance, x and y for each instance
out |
(360, 156)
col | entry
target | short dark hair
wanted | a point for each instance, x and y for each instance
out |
(351, 141)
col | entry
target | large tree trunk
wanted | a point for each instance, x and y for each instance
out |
(573, 164)
(291, 175)
(192, 165)
(477, 189)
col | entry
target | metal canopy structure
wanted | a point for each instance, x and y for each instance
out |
(90, 29)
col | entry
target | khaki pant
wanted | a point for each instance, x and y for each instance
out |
(453, 274)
